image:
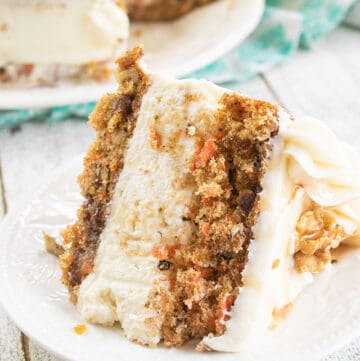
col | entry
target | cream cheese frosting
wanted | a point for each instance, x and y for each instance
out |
(31, 32)
(308, 164)
(321, 163)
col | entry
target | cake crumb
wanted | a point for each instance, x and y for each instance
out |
(51, 246)
(275, 264)
(279, 314)
(80, 329)
(202, 347)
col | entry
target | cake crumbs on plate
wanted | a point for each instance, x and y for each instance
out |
(52, 246)
(80, 329)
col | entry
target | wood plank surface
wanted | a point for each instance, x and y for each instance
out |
(29, 154)
(10, 340)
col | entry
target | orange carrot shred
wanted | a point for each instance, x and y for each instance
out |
(208, 151)
(113, 167)
(207, 202)
(155, 138)
(163, 251)
(87, 267)
(203, 153)
(28, 68)
(195, 156)
(206, 273)
(172, 284)
(224, 307)
(205, 228)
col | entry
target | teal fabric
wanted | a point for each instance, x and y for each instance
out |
(286, 26)
(14, 117)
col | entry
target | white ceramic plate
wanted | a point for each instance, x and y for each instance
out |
(177, 48)
(325, 316)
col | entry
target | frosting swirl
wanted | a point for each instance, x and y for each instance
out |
(323, 165)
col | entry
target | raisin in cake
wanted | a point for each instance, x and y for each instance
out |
(206, 212)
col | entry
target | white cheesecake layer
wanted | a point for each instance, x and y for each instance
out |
(61, 31)
(307, 164)
(148, 208)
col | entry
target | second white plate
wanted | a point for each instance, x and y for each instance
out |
(176, 48)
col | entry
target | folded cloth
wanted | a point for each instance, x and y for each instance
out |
(286, 26)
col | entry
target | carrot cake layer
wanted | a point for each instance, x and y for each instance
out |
(157, 10)
(206, 212)
(114, 120)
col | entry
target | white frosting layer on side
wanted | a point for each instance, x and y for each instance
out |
(306, 154)
(61, 32)
(327, 168)
(148, 208)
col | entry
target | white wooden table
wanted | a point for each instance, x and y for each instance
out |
(324, 82)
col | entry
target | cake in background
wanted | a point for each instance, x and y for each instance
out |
(43, 42)
(158, 10)
(206, 212)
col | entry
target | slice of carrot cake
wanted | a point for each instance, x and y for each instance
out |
(158, 10)
(206, 212)
(43, 42)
